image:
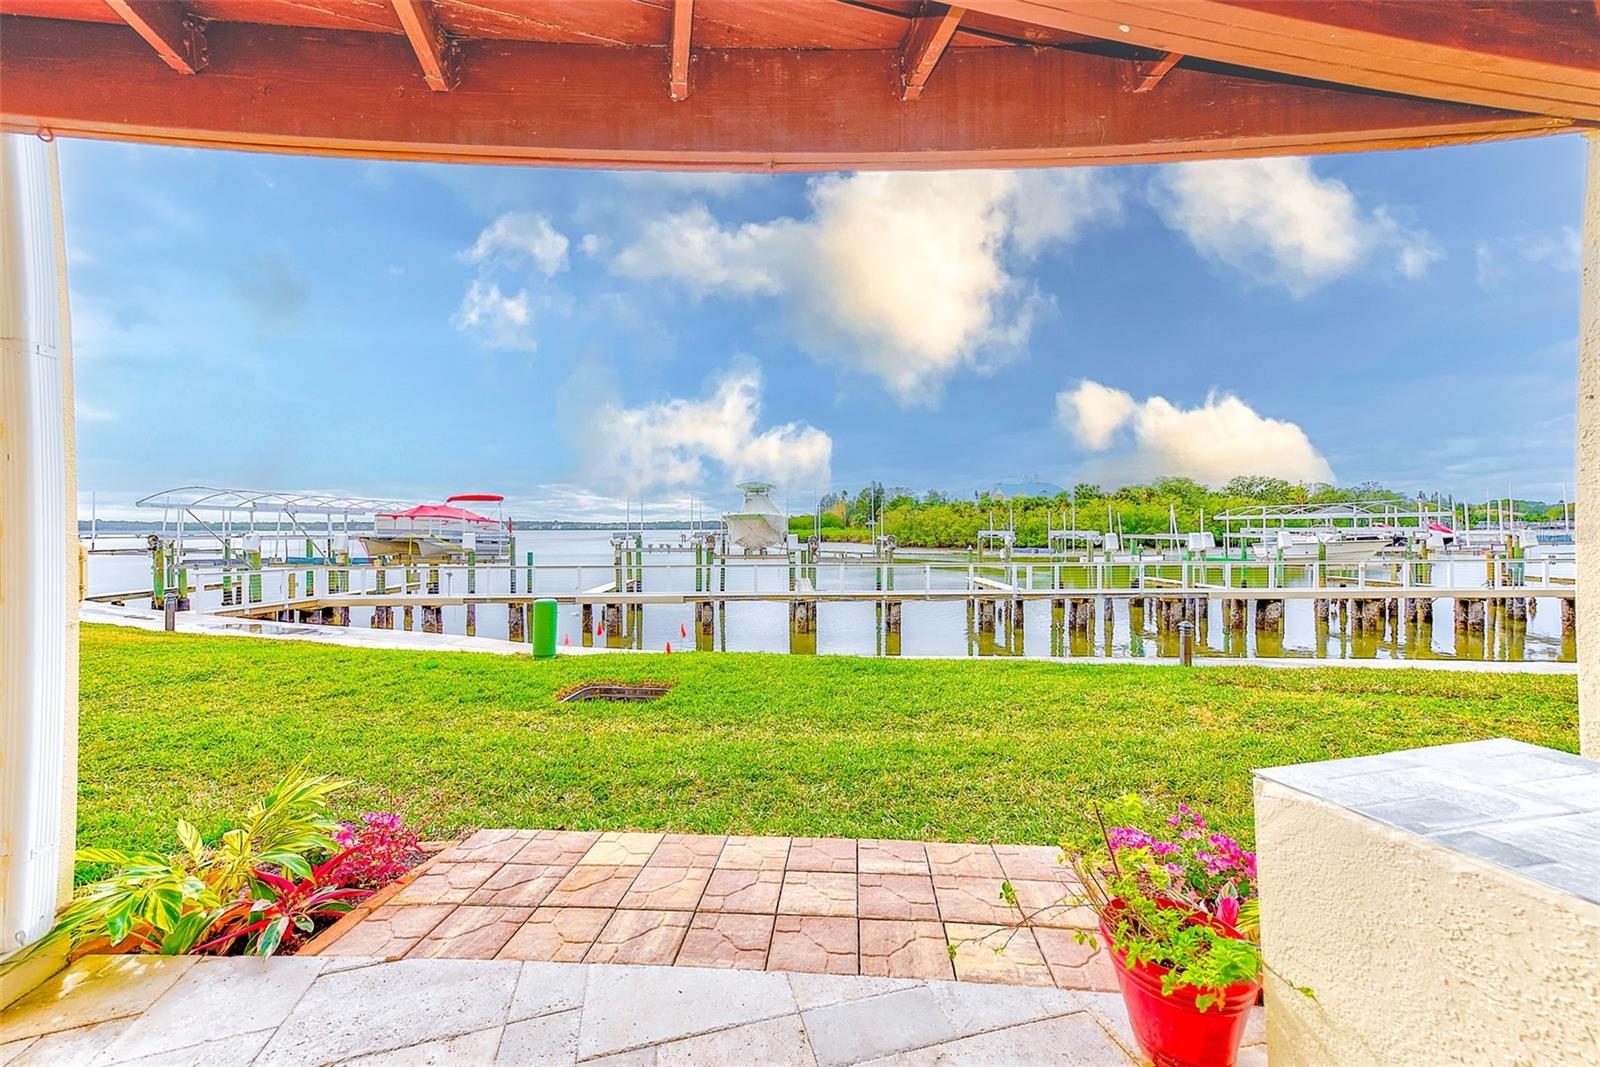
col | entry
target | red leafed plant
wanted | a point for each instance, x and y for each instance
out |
(283, 911)
(377, 850)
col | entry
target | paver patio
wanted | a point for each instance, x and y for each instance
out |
(822, 905)
(106, 1011)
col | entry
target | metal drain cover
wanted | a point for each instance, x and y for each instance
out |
(627, 692)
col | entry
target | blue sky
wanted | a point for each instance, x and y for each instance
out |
(574, 338)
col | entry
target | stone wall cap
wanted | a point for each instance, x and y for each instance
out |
(1531, 810)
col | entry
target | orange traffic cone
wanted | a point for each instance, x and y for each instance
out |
(566, 639)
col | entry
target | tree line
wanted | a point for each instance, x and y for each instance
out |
(936, 519)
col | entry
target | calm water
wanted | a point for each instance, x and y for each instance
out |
(581, 559)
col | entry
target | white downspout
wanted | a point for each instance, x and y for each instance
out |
(38, 549)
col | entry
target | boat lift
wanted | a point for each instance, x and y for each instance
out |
(228, 514)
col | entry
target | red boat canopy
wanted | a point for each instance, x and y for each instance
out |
(437, 511)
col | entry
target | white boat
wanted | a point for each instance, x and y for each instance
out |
(1333, 545)
(434, 531)
(759, 524)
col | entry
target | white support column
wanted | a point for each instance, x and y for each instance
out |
(38, 550)
(1587, 525)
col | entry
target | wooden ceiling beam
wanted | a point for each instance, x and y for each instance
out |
(682, 24)
(436, 54)
(1151, 73)
(178, 39)
(1501, 55)
(345, 93)
(925, 41)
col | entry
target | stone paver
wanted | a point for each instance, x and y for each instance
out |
(391, 1006)
(968, 860)
(883, 908)
(1051, 904)
(669, 888)
(1035, 862)
(519, 885)
(818, 893)
(622, 850)
(561, 935)
(895, 948)
(646, 937)
(301, 1012)
(822, 854)
(492, 846)
(897, 896)
(755, 853)
(727, 940)
(231, 1000)
(472, 932)
(743, 890)
(971, 899)
(687, 850)
(822, 944)
(876, 856)
(447, 883)
(997, 954)
(101, 988)
(593, 886)
(560, 848)
(1074, 965)
(390, 931)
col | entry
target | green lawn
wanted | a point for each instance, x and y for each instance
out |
(951, 749)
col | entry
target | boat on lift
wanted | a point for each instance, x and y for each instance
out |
(1332, 544)
(759, 524)
(440, 531)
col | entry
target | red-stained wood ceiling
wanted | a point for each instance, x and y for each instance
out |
(799, 84)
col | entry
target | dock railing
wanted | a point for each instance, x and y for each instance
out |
(244, 587)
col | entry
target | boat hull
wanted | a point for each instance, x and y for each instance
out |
(1332, 551)
(755, 531)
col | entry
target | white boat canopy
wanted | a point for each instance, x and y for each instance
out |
(209, 498)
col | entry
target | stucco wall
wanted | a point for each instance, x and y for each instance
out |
(1417, 954)
(1588, 427)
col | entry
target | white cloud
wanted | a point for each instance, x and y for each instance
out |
(711, 182)
(902, 274)
(1281, 223)
(668, 445)
(499, 321)
(517, 238)
(1093, 412)
(1498, 259)
(1212, 443)
(693, 249)
(516, 243)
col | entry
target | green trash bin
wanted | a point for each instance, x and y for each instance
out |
(544, 629)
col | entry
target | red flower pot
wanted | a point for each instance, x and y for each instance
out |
(1170, 1029)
